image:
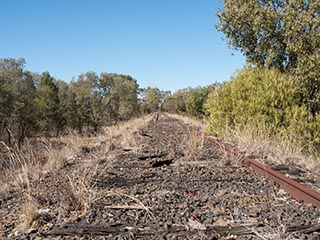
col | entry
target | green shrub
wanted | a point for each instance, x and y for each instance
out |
(265, 99)
(195, 100)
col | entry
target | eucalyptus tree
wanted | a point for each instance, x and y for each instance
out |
(196, 99)
(120, 95)
(272, 33)
(49, 116)
(82, 100)
(17, 89)
(150, 100)
(278, 34)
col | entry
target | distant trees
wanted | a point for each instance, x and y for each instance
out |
(188, 101)
(38, 104)
(32, 104)
(151, 99)
(196, 98)
(94, 101)
(124, 96)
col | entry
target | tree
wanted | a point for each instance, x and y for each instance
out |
(48, 104)
(278, 34)
(176, 103)
(94, 101)
(196, 99)
(64, 106)
(17, 89)
(83, 96)
(272, 33)
(263, 100)
(124, 96)
(151, 99)
(32, 103)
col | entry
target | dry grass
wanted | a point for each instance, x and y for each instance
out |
(193, 144)
(122, 133)
(256, 142)
(281, 149)
(18, 168)
(278, 233)
(67, 147)
(48, 155)
(193, 122)
(129, 202)
(28, 165)
(29, 215)
(83, 190)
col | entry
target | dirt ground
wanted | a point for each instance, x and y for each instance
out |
(165, 182)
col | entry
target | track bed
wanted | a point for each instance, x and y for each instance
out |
(173, 185)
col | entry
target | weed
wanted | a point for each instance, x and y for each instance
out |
(29, 215)
(281, 149)
(193, 144)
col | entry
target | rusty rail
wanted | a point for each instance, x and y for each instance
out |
(300, 192)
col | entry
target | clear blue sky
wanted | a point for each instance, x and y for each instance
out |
(170, 44)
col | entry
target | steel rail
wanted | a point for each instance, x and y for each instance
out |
(300, 192)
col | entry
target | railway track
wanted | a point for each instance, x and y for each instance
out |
(171, 184)
(300, 192)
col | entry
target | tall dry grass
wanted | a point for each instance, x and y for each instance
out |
(193, 144)
(22, 168)
(278, 149)
(256, 142)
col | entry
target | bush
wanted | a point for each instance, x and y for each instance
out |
(195, 100)
(265, 99)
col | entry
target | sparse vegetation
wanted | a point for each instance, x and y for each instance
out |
(27, 167)
(194, 144)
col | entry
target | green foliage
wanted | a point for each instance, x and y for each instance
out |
(39, 104)
(195, 101)
(262, 98)
(119, 94)
(94, 101)
(125, 93)
(47, 104)
(308, 74)
(272, 33)
(276, 34)
(81, 100)
(151, 99)
(176, 103)
(188, 101)
(17, 90)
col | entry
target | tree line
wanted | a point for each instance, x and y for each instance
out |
(34, 104)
